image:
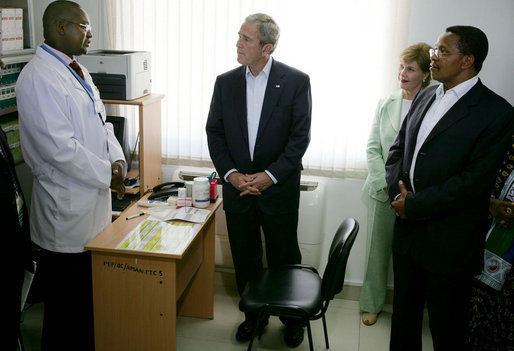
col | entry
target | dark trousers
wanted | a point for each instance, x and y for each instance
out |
(446, 298)
(66, 283)
(244, 232)
(12, 283)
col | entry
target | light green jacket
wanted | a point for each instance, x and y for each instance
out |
(384, 130)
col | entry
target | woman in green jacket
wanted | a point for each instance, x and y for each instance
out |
(413, 75)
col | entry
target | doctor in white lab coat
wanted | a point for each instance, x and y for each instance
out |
(75, 158)
(69, 149)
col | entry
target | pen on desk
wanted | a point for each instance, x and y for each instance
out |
(136, 215)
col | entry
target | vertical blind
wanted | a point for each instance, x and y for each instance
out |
(350, 50)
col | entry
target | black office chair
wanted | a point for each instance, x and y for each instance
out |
(297, 291)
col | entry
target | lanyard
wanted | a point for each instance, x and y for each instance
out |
(85, 85)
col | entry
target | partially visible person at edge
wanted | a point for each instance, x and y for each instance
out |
(16, 253)
(440, 172)
(413, 75)
(491, 322)
(75, 159)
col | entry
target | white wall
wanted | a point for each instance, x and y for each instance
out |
(428, 20)
(495, 17)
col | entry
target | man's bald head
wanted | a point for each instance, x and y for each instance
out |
(64, 27)
(55, 11)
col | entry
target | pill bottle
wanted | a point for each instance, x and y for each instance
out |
(181, 200)
(172, 201)
(201, 192)
(189, 194)
(189, 188)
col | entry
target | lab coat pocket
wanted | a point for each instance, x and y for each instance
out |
(56, 192)
(81, 196)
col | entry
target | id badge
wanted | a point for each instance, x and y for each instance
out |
(99, 107)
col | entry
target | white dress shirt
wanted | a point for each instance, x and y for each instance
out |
(443, 103)
(406, 104)
(255, 91)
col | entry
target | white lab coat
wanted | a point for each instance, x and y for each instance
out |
(69, 152)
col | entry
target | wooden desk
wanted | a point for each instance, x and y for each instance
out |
(137, 295)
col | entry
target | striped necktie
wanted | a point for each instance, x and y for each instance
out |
(76, 68)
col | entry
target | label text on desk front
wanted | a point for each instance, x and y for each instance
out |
(127, 267)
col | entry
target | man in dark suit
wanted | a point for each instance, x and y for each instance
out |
(258, 129)
(16, 251)
(440, 173)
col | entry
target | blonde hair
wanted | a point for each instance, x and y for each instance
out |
(419, 53)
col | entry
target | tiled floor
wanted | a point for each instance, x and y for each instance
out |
(346, 332)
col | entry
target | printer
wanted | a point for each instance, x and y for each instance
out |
(119, 75)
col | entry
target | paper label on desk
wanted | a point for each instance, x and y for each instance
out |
(154, 235)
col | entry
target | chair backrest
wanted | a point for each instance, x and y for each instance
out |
(333, 277)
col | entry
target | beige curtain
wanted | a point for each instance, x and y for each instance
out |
(349, 48)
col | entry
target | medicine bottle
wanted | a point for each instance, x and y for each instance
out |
(181, 200)
(201, 192)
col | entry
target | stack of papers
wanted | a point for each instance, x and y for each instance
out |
(190, 214)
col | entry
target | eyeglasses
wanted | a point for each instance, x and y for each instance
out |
(440, 53)
(85, 27)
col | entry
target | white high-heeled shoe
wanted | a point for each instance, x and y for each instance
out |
(369, 318)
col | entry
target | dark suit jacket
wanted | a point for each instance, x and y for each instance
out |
(16, 240)
(455, 169)
(282, 138)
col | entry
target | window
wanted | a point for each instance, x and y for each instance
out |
(350, 50)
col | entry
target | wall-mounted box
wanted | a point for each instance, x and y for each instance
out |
(19, 34)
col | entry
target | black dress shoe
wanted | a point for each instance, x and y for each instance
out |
(245, 329)
(293, 335)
